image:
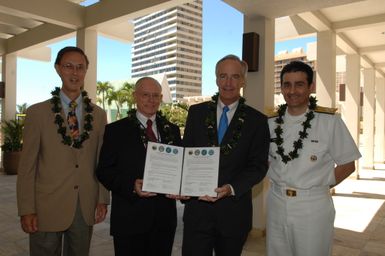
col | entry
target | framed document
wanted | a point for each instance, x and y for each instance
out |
(181, 171)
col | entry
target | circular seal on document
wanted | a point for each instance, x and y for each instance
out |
(211, 152)
(197, 152)
(175, 151)
(168, 150)
(204, 152)
(161, 148)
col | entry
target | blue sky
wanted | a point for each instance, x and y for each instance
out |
(222, 35)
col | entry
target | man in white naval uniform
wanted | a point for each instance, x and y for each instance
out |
(311, 150)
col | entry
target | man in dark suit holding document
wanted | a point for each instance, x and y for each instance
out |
(222, 223)
(142, 223)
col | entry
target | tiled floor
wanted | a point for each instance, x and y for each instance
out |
(359, 225)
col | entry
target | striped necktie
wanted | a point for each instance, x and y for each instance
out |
(72, 120)
(149, 132)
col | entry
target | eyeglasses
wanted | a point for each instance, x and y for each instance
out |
(79, 68)
(148, 95)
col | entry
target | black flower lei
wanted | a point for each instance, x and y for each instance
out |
(88, 118)
(302, 134)
(212, 129)
(163, 124)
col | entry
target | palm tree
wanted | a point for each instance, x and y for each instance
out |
(22, 109)
(103, 88)
(129, 88)
(119, 97)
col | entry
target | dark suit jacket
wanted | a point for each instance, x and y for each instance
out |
(121, 162)
(245, 166)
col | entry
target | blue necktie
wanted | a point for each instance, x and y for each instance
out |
(223, 124)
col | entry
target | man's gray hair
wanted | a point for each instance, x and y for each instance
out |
(236, 58)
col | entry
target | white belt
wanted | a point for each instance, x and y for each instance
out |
(294, 192)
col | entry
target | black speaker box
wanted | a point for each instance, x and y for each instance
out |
(2, 90)
(250, 50)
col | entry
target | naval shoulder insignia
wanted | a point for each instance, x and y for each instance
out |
(325, 110)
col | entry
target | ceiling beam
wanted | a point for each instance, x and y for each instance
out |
(17, 21)
(358, 23)
(347, 46)
(35, 36)
(377, 48)
(122, 10)
(366, 62)
(62, 13)
(317, 20)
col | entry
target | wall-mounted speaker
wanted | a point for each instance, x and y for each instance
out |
(250, 50)
(2, 90)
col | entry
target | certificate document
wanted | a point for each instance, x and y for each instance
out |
(176, 170)
(200, 171)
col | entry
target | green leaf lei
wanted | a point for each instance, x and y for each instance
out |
(163, 124)
(88, 118)
(302, 134)
(212, 129)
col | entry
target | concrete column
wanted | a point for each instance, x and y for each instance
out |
(87, 39)
(259, 93)
(259, 90)
(326, 69)
(379, 145)
(368, 117)
(350, 110)
(9, 75)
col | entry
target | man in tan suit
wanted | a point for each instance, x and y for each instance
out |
(58, 195)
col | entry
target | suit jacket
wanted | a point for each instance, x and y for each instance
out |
(245, 166)
(53, 176)
(121, 162)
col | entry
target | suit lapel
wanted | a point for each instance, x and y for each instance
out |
(159, 127)
(134, 133)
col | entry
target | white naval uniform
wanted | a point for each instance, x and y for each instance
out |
(302, 225)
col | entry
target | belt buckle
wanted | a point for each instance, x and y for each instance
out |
(291, 193)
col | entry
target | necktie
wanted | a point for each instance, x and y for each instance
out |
(149, 132)
(73, 121)
(223, 124)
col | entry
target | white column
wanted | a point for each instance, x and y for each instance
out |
(9, 73)
(259, 93)
(326, 69)
(368, 117)
(259, 90)
(350, 110)
(379, 136)
(87, 39)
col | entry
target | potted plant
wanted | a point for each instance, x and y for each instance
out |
(12, 132)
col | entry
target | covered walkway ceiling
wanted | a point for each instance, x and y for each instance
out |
(358, 24)
(27, 26)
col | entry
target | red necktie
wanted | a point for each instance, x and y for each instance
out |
(73, 121)
(149, 132)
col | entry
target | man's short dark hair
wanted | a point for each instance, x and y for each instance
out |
(66, 49)
(298, 66)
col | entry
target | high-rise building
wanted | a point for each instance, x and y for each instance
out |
(170, 41)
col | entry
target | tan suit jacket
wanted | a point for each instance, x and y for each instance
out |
(52, 176)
